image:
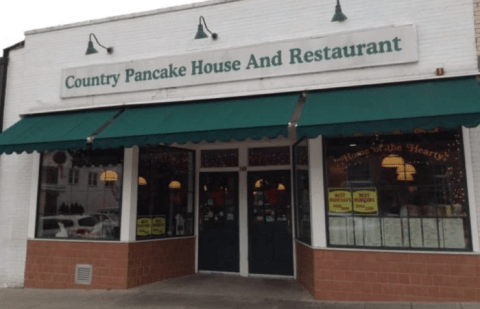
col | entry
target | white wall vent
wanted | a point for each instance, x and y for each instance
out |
(83, 274)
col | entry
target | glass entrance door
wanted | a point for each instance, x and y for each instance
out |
(270, 223)
(218, 222)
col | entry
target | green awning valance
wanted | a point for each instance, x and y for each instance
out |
(53, 131)
(223, 120)
(445, 103)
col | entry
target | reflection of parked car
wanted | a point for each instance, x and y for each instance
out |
(73, 226)
(110, 226)
(113, 213)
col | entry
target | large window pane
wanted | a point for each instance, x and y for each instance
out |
(302, 192)
(397, 191)
(80, 195)
(165, 193)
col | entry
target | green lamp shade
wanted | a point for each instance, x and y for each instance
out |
(91, 49)
(200, 33)
(339, 16)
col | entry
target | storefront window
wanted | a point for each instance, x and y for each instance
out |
(165, 193)
(302, 193)
(397, 191)
(70, 204)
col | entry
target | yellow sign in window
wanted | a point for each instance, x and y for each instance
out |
(144, 227)
(365, 201)
(158, 226)
(339, 200)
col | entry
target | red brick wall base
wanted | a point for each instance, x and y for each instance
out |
(344, 275)
(51, 264)
(305, 270)
(160, 260)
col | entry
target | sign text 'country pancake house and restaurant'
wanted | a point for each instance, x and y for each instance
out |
(375, 47)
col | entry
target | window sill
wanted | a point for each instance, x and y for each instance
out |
(390, 250)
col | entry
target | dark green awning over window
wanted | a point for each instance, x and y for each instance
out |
(223, 120)
(53, 131)
(445, 103)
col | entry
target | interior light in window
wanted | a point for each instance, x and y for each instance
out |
(407, 168)
(393, 161)
(109, 176)
(174, 184)
(405, 177)
(142, 181)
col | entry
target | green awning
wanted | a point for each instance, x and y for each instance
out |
(445, 103)
(53, 131)
(222, 120)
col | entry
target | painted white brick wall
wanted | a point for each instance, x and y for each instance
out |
(446, 39)
(15, 184)
(445, 33)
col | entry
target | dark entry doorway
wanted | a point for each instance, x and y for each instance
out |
(270, 223)
(218, 222)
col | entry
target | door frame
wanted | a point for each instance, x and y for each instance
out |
(243, 191)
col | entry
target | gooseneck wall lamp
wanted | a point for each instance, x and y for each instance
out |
(92, 50)
(339, 16)
(200, 33)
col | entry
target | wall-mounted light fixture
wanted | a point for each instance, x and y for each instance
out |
(92, 50)
(200, 33)
(339, 16)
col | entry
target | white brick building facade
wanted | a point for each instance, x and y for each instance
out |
(446, 32)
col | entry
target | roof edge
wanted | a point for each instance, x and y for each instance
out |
(129, 16)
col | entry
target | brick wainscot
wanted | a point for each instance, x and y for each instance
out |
(347, 275)
(51, 264)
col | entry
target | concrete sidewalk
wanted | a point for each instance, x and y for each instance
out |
(196, 292)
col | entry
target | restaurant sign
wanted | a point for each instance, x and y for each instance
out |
(366, 48)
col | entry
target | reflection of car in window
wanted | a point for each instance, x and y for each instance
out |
(109, 223)
(52, 224)
(113, 213)
(74, 226)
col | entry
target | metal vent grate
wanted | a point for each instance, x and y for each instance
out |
(83, 274)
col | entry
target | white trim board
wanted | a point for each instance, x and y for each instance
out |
(467, 150)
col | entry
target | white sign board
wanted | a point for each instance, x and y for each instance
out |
(375, 47)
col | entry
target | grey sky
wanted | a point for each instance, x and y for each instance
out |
(18, 16)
